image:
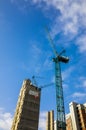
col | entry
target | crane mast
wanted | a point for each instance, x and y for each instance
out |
(60, 111)
(60, 119)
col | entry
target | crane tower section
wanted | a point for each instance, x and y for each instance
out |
(60, 121)
(60, 111)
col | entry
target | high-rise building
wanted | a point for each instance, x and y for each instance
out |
(50, 120)
(76, 119)
(27, 111)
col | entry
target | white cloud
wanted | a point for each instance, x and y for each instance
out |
(79, 95)
(42, 121)
(81, 42)
(81, 83)
(84, 83)
(65, 86)
(48, 63)
(67, 73)
(72, 13)
(53, 79)
(35, 49)
(5, 120)
(72, 18)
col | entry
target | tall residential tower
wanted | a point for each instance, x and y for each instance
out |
(27, 111)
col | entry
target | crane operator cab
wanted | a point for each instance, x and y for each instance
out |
(63, 59)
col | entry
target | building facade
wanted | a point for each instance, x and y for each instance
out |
(76, 120)
(68, 122)
(27, 111)
(50, 120)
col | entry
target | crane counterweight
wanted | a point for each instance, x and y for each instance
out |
(63, 59)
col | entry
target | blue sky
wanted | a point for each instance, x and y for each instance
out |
(25, 51)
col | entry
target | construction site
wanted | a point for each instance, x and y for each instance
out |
(42, 64)
(28, 106)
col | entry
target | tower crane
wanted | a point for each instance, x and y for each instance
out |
(34, 82)
(60, 111)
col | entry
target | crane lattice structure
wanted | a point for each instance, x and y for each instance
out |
(60, 111)
(34, 82)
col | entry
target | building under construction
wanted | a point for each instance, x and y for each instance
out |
(27, 111)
